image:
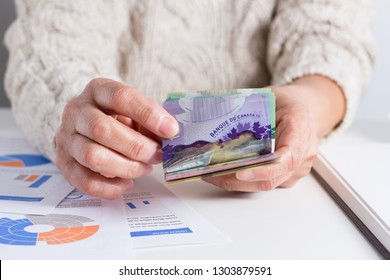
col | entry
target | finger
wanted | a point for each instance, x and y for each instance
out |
(91, 182)
(130, 103)
(126, 121)
(230, 183)
(105, 161)
(111, 133)
(268, 172)
(149, 134)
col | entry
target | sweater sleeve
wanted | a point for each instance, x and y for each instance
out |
(56, 48)
(332, 38)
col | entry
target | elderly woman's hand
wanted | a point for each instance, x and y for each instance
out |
(107, 138)
(306, 110)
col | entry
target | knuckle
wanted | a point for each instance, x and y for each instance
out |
(70, 110)
(134, 170)
(135, 149)
(100, 128)
(93, 157)
(92, 84)
(90, 88)
(94, 81)
(145, 113)
(91, 187)
(121, 96)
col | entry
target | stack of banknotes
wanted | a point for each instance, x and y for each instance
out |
(220, 132)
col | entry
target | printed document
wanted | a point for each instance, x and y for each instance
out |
(30, 183)
(80, 227)
(156, 217)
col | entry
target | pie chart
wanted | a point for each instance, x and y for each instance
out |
(22, 160)
(53, 229)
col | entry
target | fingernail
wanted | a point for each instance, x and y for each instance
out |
(245, 175)
(168, 127)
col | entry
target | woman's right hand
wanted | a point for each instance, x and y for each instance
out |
(108, 137)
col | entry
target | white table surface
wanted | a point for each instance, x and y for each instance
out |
(302, 222)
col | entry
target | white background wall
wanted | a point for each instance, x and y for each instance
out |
(375, 103)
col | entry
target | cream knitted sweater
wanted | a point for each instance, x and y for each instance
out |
(159, 46)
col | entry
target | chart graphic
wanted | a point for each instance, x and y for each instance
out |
(34, 180)
(132, 205)
(22, 160)
(76, 194)
(30, 231)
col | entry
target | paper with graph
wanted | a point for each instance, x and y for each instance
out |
(156, 218)
(30, 183)
(80, 227)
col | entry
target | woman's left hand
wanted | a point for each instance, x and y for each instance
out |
(299, 127)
